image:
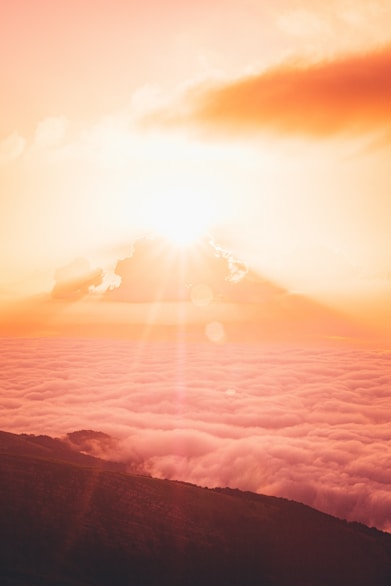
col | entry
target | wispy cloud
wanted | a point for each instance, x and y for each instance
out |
(50, 131)
(11, 147)
(310, 424)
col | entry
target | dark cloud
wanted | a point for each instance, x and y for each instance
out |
(310, 424)
(351, 93)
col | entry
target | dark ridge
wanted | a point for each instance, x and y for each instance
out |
(44, 446)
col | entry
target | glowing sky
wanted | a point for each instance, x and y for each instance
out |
(270, 121)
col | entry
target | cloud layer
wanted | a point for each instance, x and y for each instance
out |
(307, 424)
(347, 94)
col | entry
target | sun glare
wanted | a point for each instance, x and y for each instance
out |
(181, 220)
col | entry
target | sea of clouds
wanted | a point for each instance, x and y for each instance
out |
(309, 424)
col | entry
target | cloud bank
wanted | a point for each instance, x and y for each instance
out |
(310, 424)
(347, 94)
(158, 270)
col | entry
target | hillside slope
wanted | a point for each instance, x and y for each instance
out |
(67, 524)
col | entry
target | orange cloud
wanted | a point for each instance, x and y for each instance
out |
(351, 94)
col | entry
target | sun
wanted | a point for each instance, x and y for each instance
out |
(181, 220)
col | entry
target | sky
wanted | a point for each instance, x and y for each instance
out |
(267, 126)
(210, 175)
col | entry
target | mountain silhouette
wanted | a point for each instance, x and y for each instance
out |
(67, 521)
